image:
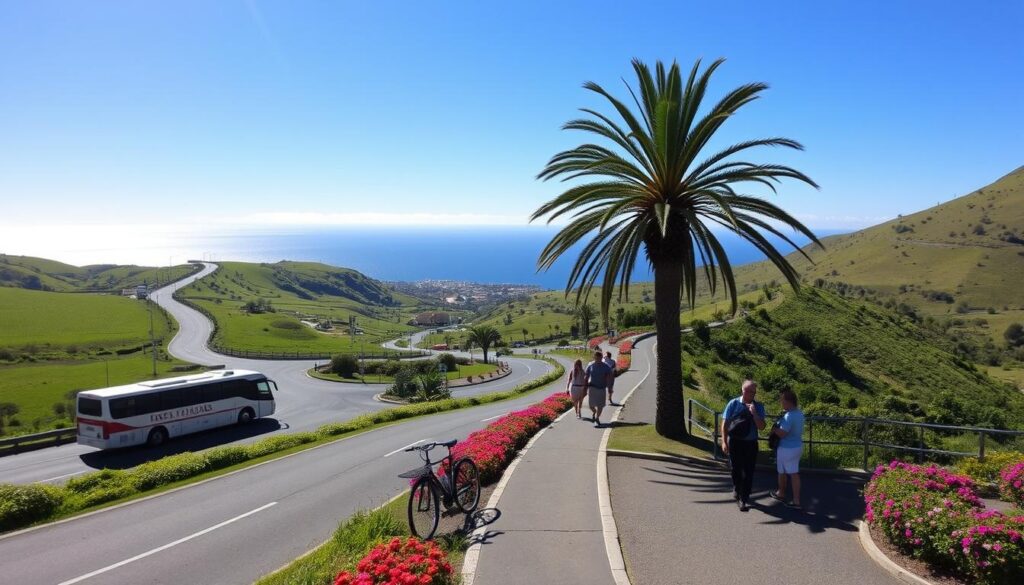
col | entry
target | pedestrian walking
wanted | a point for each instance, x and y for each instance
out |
(610, 362)
(742, 418)
(598, 374)
(790, 429)
(577, 386)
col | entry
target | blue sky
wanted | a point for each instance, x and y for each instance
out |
(244, 113)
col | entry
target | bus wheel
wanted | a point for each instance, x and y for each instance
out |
(245, 416)
(157, 437)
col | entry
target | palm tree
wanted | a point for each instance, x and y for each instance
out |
(483, 336)
(585, 313)
(525, 332)
(656, 191)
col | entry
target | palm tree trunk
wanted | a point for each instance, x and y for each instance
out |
(670, 418)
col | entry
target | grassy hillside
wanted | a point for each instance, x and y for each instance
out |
(42, 274)
(300, 293)
(845, 356)
(52, 344)
(962, 257)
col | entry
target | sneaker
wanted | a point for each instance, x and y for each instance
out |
(775, 496)
(795, 505)
(744, 506)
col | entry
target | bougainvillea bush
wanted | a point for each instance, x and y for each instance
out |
(626, 348)
(493, 447)
(400, 562)
(935, 515)
(1011, 484)
(596, 341)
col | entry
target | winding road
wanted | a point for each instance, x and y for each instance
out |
(237, 527)
(303, 403)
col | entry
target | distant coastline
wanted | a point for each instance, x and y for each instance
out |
(493, 254)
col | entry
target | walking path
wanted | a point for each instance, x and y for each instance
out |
(550, 528)
(676, 523)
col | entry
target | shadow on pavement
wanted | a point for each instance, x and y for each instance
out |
(829, 502)
(132, 456)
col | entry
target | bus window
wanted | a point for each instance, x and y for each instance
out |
(147, 403)
(90, 406)
(122, 407)
(263, 391)
(170, 399)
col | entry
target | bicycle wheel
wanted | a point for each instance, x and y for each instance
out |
(424, 508)
(467, 485)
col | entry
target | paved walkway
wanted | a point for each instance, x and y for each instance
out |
(550, 530)
(678, 523)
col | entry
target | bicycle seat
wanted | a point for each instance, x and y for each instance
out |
(449, 444)
(416, 473)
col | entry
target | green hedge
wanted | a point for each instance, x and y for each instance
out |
(23, 505)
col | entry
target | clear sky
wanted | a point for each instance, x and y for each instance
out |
(255, 112)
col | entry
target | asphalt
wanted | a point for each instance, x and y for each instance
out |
(678, 523)
(303, 403)
(549, 530)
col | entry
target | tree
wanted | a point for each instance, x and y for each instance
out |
(1014, 335)
(345, 365)
(655, 191)
(585, 313)
(484, 336)
(525, 333)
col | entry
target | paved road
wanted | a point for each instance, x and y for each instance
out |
(202, 534)
(303, 403)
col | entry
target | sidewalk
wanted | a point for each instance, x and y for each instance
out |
(550, 529)
(678, 523)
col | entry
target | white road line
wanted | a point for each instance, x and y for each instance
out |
(61, 476)
(491, 417)
(406, 447)
(166, 546)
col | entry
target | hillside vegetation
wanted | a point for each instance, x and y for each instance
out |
(273, 307)
(42, 274)
(849, 357)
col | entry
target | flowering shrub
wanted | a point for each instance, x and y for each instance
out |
(493, 447)
(626, 348)
(595, 341)
(622, 363)
(398, 562)
(987, 470)
(1011, 483)
(935, 515)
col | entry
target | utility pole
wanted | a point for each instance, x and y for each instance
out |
(152, 335)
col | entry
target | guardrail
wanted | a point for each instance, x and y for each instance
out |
(24, 443)
(861, 438)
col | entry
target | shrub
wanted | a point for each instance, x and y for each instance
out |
(935, 515)
(167, 470)
(345, 365)
(221, 457)
(987, 471)
(701, 330)
(21, 505)
(1011, 484)
(401, 561)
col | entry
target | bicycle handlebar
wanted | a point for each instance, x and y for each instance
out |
(428, 446)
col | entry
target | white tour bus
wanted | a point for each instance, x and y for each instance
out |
(151, 412)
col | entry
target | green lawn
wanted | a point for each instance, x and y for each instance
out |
(85, 321)
(463, 371)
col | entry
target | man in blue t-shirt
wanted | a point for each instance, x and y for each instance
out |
(599, 378)
(742, 450)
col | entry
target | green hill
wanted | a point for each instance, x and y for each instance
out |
(270, 307)
(854, 358)
(963, 256)
(42, 274)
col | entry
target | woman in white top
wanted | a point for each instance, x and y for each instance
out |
(577, 387)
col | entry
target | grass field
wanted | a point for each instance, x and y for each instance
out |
(74, 323)
(301, 291)
(458, 374)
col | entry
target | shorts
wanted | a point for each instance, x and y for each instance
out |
(787, 459)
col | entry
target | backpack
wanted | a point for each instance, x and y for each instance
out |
(738, 427)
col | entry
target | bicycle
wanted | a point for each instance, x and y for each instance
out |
(429, 491)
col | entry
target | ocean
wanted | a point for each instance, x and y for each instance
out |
(493, 254)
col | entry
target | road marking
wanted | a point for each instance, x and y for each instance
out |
(61, 476)
(406, 447)
(166, 546)
(491, 418)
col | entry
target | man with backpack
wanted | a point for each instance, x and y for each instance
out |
(742, 418)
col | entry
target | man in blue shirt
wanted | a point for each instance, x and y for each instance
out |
(742, 448)
(599, 378)
(787, 458)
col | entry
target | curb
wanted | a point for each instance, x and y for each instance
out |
(890, 566)
(472, 556)
(612, 546)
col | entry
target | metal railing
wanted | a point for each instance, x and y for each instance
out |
(842, 440)
(23, 443)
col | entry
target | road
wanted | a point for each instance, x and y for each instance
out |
(303, 403)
